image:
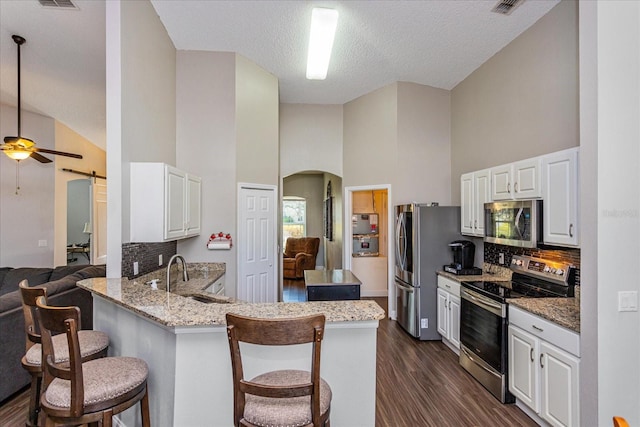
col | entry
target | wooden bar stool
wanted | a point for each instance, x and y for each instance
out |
(79, 393)
(285, 397)
(93, 344)
(620, 422)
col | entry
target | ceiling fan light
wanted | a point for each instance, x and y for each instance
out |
(323, 29)
(17, 154)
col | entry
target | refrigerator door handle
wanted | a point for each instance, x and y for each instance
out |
(399, 239)
(406, 288)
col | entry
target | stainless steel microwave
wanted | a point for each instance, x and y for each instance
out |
(513, 223)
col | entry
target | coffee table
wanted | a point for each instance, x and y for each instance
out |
(331, 285)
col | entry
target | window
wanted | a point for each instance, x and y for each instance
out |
(294, 218)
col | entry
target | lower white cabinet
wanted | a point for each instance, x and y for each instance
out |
(449, 312)
(544, 367)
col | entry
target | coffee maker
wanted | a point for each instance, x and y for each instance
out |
(464, 252)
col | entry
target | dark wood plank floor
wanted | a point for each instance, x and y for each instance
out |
(419, 384)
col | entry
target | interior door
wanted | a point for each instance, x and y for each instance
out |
(99, 219)
(257, 274)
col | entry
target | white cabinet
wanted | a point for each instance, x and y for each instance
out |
(544, 367)
(560, 207)
(475, 191)
(165, 203)
(449, 312)
(519, 180)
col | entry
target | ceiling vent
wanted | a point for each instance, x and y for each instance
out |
(58, 4)
(505, 7)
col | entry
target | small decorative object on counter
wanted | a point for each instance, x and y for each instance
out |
(220, 241)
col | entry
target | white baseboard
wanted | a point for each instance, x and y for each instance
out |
(381, 293)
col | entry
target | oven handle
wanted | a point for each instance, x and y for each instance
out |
(484, 302)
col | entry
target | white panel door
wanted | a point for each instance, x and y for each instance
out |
(527, 183)
(560, 206)
(559, 386)
(501, 188)
(466, 204)
(257, 275)
(481, 195)
(443, 313)
(454, 320)
(175, 199)
(523, 368)
(99, 220)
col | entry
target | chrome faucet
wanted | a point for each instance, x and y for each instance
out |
(185, 275)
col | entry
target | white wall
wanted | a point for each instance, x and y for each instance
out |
(615, 29)
(310, 138)
(141, 102)
(27, 217)
(522, 102)
(423, 172)
(205, 144)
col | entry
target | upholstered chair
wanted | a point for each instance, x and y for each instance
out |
(300, 254)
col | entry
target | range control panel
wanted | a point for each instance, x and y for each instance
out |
(556, 271)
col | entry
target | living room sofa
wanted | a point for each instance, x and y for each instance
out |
(61, 291)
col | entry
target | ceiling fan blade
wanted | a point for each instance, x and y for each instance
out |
(40, 158)
(59, 153)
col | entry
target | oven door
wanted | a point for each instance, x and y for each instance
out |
(483, 328)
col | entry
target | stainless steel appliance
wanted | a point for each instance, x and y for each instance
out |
(365, 245)
(422, 236)
(484, 316)
(364, 223)
(513, 223)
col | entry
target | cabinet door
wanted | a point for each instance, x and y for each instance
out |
(501, 186)
(175, 201)
(481, 195)
(559, 386)
(454, 320)
(560, 206)
(527, 183)
(523, 367)
(443, 313)
(466, 204)
(194, 199)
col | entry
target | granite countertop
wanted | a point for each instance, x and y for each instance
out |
(490, 273)
(173, 309)
(561, 311)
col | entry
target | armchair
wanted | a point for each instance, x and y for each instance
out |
(299, 255)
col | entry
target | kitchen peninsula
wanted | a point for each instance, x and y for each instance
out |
(185, 344)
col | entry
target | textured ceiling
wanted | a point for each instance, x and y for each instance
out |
(436, 43)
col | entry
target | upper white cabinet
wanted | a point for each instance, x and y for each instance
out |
(165, 203)
(560, 181)
(519, 180)
(475, 192)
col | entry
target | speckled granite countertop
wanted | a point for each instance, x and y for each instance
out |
(173, 309)
(562, 311)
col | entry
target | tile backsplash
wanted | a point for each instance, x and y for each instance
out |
(146, 254)
(571, 256)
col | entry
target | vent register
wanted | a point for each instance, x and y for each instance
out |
(505, 7)
(58, 4)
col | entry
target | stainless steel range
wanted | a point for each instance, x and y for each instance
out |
(484, 316)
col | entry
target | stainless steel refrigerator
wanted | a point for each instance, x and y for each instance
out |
(422, 235)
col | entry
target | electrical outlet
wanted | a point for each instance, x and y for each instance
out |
(501, 258)
(160, 259)
(42, 243)
(135, 268)
(424, 323)
(627, 301)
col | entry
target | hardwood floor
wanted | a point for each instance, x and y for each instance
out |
(419, 384)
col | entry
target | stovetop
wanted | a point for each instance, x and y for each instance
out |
(531, 278)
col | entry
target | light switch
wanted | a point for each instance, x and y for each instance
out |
(627, 301)
(42, 243)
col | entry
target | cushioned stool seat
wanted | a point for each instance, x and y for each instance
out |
(91, 342)
(295, 411)
(104, 379)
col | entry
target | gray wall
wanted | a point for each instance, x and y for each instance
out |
(521, 103)
(78, 210)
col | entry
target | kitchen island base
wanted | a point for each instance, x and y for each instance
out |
(190, 380)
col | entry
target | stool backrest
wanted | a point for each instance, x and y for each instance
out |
(54, 320)
(620, 422)
(279, 332)
(29, 297)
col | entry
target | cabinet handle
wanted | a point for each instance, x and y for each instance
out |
(537, 328)
(515, 187)
(570, 230)
(509, 187)
(470, 224)
(449, 305)
(475, 224)
(541, 357)
(531, 355)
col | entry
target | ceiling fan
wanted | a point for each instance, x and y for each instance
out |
(19, 148)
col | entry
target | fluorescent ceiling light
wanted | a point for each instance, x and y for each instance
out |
(323, 30)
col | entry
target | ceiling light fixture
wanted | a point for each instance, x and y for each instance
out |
(323, 29)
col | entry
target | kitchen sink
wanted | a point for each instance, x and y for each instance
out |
(208, 299)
